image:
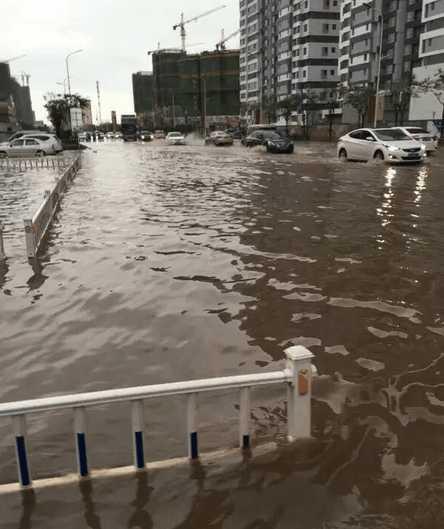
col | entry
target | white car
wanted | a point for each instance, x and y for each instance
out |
(175, 138)
(389, 145)
(430, 141)
(51, 142)
(24, 147)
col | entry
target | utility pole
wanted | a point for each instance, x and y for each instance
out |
(67, 68)
(174, 110)
(378, 78)
(99, 108)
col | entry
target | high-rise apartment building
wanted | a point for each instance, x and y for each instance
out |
(288, 47)
(360, 41)
(431, 59)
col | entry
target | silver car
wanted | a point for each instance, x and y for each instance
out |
(25, 147)
(51, 142)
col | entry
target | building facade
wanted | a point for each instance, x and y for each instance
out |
(362, 22)
(431, 60)
(143, 98)
(190, 91)
(288, 48)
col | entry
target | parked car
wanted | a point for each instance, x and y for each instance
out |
(389, 145)
(25, 147)
(430, 141)
(236, 134)
(146, 135)
(273, 141)
(175, 138)
(21, 133)
(159, 135)
(218, 138)
(52, 143)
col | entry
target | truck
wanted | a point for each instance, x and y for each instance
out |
(129, 127)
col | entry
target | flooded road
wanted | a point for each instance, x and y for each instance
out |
(170, 263)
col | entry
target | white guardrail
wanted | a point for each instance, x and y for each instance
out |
(297, 377)
(2, 244)
(36, 228)
(20, 164)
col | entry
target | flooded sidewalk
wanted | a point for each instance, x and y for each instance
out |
(172, 263)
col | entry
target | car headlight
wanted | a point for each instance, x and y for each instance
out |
(423, 147)
(392, 148)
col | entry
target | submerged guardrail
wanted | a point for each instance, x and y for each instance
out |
(36, 228)
(20, 164)
(297, 377)
(2, 244)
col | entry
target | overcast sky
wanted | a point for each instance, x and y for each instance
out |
(115, 36)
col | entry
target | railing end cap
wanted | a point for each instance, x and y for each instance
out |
(298, 352)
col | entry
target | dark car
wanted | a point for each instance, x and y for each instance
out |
(236, 134)
(271, 140)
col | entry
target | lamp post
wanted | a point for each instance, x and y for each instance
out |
(378, 78)
(67, 68)
(63, 84)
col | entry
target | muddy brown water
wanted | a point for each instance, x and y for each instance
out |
(175, 263)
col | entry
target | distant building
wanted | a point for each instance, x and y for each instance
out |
(187, 89)
(143, 98)
(360, 42)
(87, 120)
(288, 47)
(431, 60)
(15, 102)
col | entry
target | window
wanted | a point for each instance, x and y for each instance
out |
(17, 143)
(332, 72)
(323, 74)
(324, 52)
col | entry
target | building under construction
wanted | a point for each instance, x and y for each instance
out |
(189, 91)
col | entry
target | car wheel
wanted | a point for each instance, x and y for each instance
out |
(40, 154)
(378, 156)
(291, 150)
(3, 154)
(343, 155)
(268, 148)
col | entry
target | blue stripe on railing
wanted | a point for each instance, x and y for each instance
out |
(194, 445)
(246, 442)
(140, 457)
(83, 459)
(22, 461)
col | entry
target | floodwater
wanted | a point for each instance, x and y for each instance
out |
(172, 263)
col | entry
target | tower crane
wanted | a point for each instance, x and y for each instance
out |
(183, 22)
(221, 44)
(14, 58)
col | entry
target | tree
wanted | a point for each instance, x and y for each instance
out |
(358, 97)
(59, 109)
(289, 105)
(400, 95)
(269, 107)
(433, 85)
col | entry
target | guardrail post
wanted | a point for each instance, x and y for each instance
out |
(244, 419)
(24, 474)
(2, 244)
(138, 431)
(80, 438)
(29, 238)
(299, 392)
(193, 446)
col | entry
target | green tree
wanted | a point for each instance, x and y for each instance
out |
(269, 107)
(433, 85)
(289, 105)
(358, 97)
(400, 95)
(59, 108)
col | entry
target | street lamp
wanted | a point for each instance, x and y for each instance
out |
(378, 78)
(67, 68)
(63, 84)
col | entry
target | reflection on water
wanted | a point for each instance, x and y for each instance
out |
(169, 264)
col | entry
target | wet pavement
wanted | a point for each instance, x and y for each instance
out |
(170, 263)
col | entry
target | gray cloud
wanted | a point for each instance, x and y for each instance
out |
(115, 35)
